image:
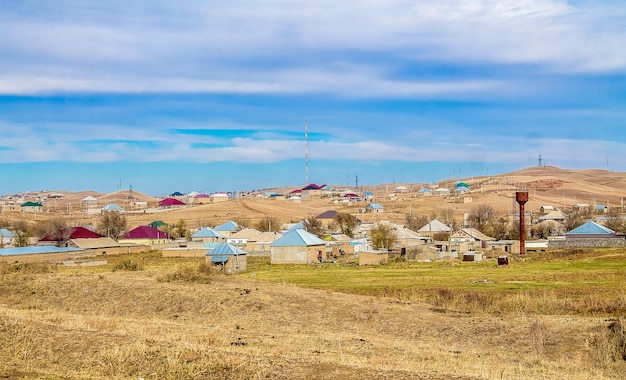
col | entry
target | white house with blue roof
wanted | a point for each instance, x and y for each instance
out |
(229, 257)
(374, 208)
(298, 247)
(209, 237)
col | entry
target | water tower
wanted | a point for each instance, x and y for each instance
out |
(521, 197)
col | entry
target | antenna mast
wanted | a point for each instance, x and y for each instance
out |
(306, 151)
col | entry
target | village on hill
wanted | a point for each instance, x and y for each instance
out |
(466, 219)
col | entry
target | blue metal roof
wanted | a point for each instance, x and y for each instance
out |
(36, 250)
(375, 205)
(5, 233)
(219, 259)
(225, 249)
(228, 226)
(112, 207)
(207, 232)
(591, 228)
(297, 238)
(299, 225)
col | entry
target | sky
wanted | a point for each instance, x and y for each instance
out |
(212, 96)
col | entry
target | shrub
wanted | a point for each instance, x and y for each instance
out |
(126, 265)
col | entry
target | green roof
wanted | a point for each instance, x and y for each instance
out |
(31, 204)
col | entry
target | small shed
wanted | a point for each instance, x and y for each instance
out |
(230, 258)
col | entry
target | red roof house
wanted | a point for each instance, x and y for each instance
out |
(146, 232)
(170, 202)
(69, 233)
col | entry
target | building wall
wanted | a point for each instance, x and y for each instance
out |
(184, 252)
(296, 255)
(587, 243)
(371, 258)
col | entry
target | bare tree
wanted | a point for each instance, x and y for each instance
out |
(614, 221)
(415, 222)
(346, 222)
(481, 215)
(268, 223)
(57, 228)
(314, 226)
(22, 233)
(383, 236)
(112, 224)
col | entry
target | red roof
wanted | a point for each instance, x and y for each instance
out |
(71, 233)
(171, 202)
(145, 232)
(313, 186)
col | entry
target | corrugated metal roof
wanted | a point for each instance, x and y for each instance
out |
(36, 250)
(219, 259)
(228, 226)
(145, 232)
(225, 249)
(375, 206)
(591, 228)
(207, 232)
(112, 207)
(297, 238)
(434, 226)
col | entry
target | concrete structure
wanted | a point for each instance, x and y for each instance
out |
(374, 208)
(145, 235)
(6, 238)
(371, 257)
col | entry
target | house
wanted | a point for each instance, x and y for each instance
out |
(219, 197)
(62, 237)
(230, 258)
(241, 237)
(434, 227)
(556, 216)
(546, 209)
(34, 207)
(368, 195)
(467, 239)
(208, 236)
(425, 192)
(171, 203)
(339, 244)
(228, 228)
(591, 230)
(374, 208)
(442, 192)
(145, 235)
(6, 237)
(601, 209)
(297, 247)
(261, 243)
(112, 207)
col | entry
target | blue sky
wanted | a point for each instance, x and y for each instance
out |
(213, 96)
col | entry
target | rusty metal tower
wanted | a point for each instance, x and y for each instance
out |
(521, 197)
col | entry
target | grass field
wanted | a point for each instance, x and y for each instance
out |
(560, 315)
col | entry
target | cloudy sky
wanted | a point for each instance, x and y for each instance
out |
(213, 95)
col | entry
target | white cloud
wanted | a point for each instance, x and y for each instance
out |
(267, 47)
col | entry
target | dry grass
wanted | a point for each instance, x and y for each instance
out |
(84, 323)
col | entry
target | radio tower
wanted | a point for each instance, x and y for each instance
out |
(540, 161)
(306, 152)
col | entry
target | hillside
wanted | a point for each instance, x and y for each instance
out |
(547, 185)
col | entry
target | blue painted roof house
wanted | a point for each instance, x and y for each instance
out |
(208, 232)
(591, 229)
(297, 238)
(228, 226)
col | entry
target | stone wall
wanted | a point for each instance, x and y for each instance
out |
(588, 243)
